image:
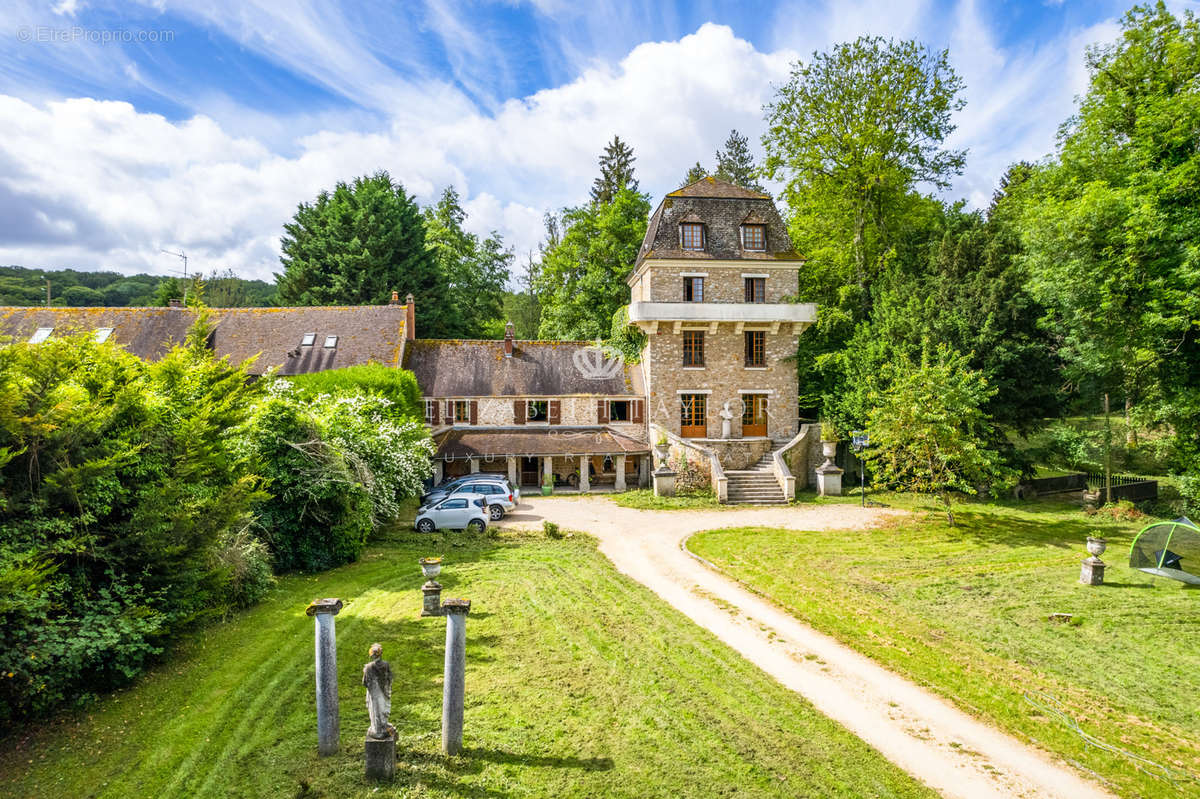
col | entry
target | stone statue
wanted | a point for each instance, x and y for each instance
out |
(377, 678)
(726, 421)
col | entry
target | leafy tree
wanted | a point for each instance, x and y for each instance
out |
(616, 173)
(523, 308)
(928, 431)
(477, 271)
(79, 296)
(1112, 225)
(851, 132)
(225, 289)
(697, 172)
(581, 282)
(735, 163)
(357, 244)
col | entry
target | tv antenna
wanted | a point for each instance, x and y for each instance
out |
(183, 257)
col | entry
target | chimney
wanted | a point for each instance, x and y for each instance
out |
(410, 318)
(175, 303)
(508, 340)
(395, 300)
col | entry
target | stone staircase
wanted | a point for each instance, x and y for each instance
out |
(756, 485)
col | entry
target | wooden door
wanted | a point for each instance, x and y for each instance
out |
(754, 415)
(693, 416)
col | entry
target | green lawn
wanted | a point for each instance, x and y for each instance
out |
(580, 683)
(644, 499)
(965, 611)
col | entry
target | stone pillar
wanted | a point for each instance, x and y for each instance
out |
(474, 465)
(644, 472)
(619, 463)
(328, 722)
(439, 468)
(547, 469)
(453, 678)
(585, 477)
(829, 481)
(1091, 571)
(513, 478)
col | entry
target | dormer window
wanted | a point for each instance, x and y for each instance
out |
(308, 339)
(330, 342)
(40, 335)
(754, 238)
(691, 236)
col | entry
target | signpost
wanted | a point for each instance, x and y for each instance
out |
(860, 441)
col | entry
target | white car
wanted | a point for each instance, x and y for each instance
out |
(457, 512)
(501, 497)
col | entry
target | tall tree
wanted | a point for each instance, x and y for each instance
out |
(522, 307)
(1112, 227)
(616, 172)
(851, 132)
(357, 244)
(476, 270)
(582, 277)
(735, 162)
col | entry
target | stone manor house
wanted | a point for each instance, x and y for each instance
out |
(713, 290)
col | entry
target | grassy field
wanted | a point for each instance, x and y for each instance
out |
(644, 499)
(580, 683)
(965, 610)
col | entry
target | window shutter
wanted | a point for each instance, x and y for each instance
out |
(554, 411)
(602, 411)
(635, 411)
(437, 406)
(519, 411)
(474, 411)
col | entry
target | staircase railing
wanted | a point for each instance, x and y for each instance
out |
(783, 475)
(720, 483)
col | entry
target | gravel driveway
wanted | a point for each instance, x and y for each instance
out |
(950, 751)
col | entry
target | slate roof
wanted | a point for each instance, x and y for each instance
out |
(460, 443)
(365, 333)
(456, 368)
(723, 208)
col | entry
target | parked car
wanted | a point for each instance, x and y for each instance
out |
(503, 496)
(459, 512)
(450, 483)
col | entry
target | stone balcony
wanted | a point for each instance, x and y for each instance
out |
(649, 315)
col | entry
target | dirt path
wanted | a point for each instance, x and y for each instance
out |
(950, 751)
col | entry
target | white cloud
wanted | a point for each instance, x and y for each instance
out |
(88, 183)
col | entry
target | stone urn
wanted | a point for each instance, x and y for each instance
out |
(1096, 545)
(430, 567)
(663, 451)
(829, 449)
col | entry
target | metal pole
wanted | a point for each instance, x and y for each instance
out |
(862, 480)
(328, 721)
(1107, 455)
(47, 292)
(453, 678)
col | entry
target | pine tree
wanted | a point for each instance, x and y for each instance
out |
(735, 163)
(697, 172)
(616, 172)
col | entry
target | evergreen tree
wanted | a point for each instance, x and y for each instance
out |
(357, 244)
(477, 271)
(735, 163)
(697, 172)
(616, 172)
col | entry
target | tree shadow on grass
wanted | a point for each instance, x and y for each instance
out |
(1014, 531)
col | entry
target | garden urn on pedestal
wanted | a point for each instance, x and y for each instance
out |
(431, 604)
(829, 476)
(1091, 572)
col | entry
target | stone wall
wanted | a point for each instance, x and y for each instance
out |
(498, 412)
(804, 458)
(725, 375)
(721, 283)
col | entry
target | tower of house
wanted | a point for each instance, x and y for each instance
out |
(711, 290)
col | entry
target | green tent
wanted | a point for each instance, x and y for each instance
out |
(1168, 549)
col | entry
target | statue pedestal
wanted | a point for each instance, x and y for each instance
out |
(829, 481)
(1091, 571)
(381, 759)
(664, 483)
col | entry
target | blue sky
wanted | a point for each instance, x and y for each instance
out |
(132, 127)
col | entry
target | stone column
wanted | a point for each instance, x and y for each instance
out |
(547, 469)
(513, 478)
(619, 463)
(328, 723)
(644, 472)
(585, 479)
(453, 678)
(474, 465)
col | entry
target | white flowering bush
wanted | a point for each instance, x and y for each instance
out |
(389, 453)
